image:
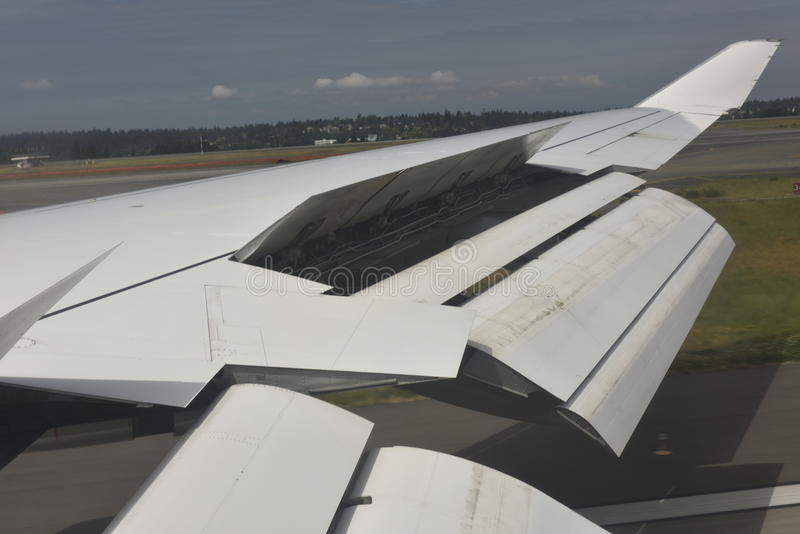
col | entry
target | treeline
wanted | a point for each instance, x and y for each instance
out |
(95, 144)
(754, 109)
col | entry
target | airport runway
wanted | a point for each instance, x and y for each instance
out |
(715, 154)
(26, 193)
(722, 431)
(730, 153)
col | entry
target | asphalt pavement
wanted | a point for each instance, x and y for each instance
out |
(724, 431)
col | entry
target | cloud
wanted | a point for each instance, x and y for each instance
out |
(36, 85)
(589, 80)
(571, 80)
(447, 76)
(513, 84)
(553, 82)
(356, 80)
(220, 91)
(323, 83)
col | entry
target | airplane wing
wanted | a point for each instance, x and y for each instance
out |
(571, 294)
(649, 134)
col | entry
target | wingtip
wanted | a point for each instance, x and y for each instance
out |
(705, 88)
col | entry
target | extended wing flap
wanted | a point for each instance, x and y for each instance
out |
(597, 320)
(264, 459)
(555, 318)
(613, 399)
(415, 490)
(261, 458)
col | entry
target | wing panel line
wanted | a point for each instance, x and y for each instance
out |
(133, 286)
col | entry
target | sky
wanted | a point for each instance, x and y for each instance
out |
(76, 64)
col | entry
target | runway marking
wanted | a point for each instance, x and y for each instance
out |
(696, 505)
(667, 494)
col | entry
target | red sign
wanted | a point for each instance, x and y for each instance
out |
(797, 188)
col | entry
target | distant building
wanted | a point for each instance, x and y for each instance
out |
(318, 142)
(372, 137)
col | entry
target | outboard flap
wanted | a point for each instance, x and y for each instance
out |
(597, 319)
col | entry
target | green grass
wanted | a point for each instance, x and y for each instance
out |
(367, 397)
(751, 316)
(760, 124)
